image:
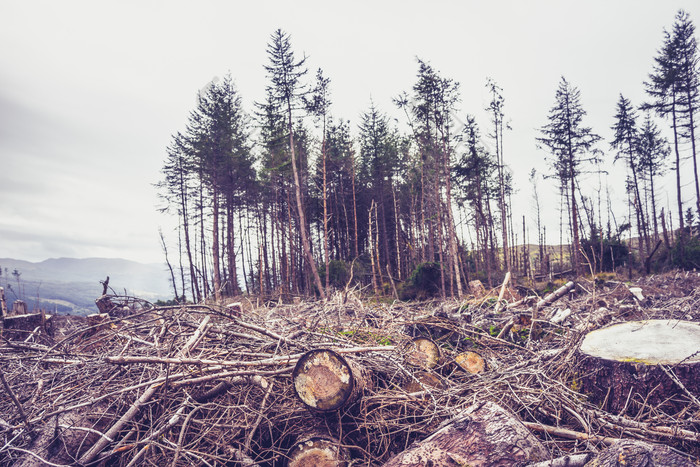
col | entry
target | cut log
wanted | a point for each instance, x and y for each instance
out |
(638, 454)
(483, 435)
(318, 451)
(625, 365)
(556, 295)
(423, 353)
(471, 362)
(423, 380)
(326, 382)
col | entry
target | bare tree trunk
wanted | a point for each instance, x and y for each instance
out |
(300, 208)
(371, 254)
(354, 210)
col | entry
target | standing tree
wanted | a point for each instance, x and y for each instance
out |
(284, 72)
(674, 90)
(496, 109)
(654, 150)
(686, 61)
(571, 145)
(318, 105)
(626, 141)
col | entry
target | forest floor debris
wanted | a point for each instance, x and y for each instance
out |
(212, 385)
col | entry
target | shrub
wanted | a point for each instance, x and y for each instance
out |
(685, 254)
(424, 282)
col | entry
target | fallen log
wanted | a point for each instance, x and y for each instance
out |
(652, 362)
(423, 353)
(638, 454)
(325, 381)
(483, 435)
(317, 450)
(421, 381)
(554, 296)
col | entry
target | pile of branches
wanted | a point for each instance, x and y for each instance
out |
(211, 385)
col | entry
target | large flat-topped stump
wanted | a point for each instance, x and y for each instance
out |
(651, 362)
(652, 342)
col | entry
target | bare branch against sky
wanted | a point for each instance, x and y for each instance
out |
(90, 92)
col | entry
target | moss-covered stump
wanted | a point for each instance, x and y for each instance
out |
(317, 451)
(655, 363)
(483, 435)
(326, 382)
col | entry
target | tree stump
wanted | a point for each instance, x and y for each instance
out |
(638, 454)
(326, 382)
(423, 353)
(20, 327)
(641, 362)
(317, 451)
(483, 435)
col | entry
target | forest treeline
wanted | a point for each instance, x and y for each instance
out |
(286, 201)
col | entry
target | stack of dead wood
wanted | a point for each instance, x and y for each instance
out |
(486, 381)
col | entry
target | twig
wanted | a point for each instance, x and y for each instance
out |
(11, 393)
(254, 428)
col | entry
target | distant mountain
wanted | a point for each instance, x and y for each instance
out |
(71, 285)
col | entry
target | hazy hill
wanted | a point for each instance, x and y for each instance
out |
(71, 285)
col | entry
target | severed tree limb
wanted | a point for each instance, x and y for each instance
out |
(117, 427)
(570, 434)
(254, 428)
(283, 360)
(575, 460)
(556, 295)
(12, 395)
(174, 420)
(499, 304)
(621, 422)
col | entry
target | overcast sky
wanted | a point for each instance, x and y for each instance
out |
(90, 92)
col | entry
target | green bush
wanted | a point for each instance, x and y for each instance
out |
(424, 282)
(685, 253)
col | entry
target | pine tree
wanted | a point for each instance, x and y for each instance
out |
(654, 151)
(674, 90)
(571, 145)
(626, 141)
(285, 73)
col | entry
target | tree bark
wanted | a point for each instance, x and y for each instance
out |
(482, 435)
(300, 208)
(638, 454)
